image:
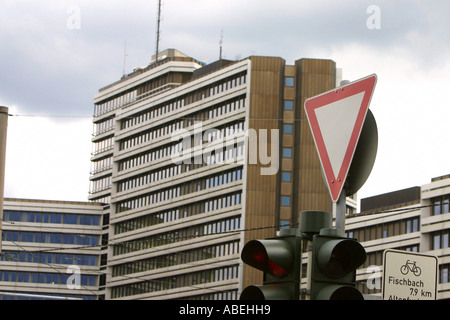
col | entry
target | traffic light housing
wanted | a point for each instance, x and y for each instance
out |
(334, 263)
(280, 260)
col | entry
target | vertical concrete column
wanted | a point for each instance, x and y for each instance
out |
(3, 131)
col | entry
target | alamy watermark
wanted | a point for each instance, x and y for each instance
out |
(192, 148)
(73, 21)
(373, 22)
(74, 280)
(374, 280)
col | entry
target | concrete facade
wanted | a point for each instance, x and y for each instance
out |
(52, 249)
(196, 160)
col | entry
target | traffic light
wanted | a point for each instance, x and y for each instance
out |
(334, 263)
(280, 260)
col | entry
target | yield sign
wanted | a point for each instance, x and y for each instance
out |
(336, 118)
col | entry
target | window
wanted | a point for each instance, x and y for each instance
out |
(441, 205)
(284, 224)
(287, 128)
(288, 105)
(289, 81)
(384, 232)
(412, 225)
(287, 152)
(444, 273)
(440, 239)
(286, 176)
(285, 201)
(436, 241)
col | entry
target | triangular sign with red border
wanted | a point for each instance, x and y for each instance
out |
(336, 119)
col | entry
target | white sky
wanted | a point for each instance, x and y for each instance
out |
(55, 55)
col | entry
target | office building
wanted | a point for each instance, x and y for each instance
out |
(52, 250)
(415, 219)
(195, 160)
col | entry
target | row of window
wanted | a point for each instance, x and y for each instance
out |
(44, 277)
(167, 129)
(224, 131)
(384, 230)
(100, 184)
(148, 199)
(222, 295)
(47, 257)
(375, 258)
(180, 212)
(227, 107)
(101, 165)
(103, 145)
(186, 143)
(153, 113)
(45, 237)
(215, 227)
(151, 155)
(115, 103)
(182, 257)
(180, 190)
(178, 281)
(104, 126)
(150, 135)
(42, 296)
(153, 134)
(172, 106)
(216, 156)
(48, 217)
(150, 177)
(224, 155)
(174, 170)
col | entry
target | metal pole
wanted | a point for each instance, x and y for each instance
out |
(339, 209)
(158, 23)
(3, 132)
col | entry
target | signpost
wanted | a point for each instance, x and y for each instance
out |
(336, 119)
(409, 276)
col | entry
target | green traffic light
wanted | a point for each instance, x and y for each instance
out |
(338, 257)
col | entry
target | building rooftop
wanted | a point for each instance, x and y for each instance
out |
(391, 200)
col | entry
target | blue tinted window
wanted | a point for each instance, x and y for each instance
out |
(287, 153)
(286, 176)
(289, 82)
(287, 128)
(285, 201)
(288, 105)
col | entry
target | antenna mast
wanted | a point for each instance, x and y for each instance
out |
(124, 58)
(157, 30)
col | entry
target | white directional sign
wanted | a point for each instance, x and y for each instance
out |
(336, 119)
(409, 276)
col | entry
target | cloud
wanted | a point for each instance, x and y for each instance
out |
(50, 69)
(411, 110)
(47, 158)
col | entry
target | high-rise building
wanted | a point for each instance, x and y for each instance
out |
(195, 160)
(52, 250)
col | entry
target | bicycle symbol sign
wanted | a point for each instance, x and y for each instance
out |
(410, 266)
(409, 276)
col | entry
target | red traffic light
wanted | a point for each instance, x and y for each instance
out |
(273, 256)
